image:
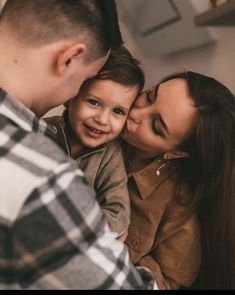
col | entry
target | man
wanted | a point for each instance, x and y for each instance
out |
(52, 232)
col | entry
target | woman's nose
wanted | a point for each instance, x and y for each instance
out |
(138, 114)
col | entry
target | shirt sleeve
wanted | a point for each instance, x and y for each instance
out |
(175, 258)
(112, 191)
(61, 241)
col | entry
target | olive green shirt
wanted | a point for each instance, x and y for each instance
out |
(105, 172)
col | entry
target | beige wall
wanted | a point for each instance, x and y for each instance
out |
(217, 60)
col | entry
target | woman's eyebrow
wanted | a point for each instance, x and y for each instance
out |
(156, 90)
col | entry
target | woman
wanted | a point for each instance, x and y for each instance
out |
(180, 164)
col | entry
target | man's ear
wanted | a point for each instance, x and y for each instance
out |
(67, 57)
(176, 154)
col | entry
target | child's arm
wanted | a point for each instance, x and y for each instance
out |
(111, 188)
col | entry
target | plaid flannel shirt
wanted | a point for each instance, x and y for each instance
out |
(53, 234)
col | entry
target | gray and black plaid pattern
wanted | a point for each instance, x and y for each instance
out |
(53, 234)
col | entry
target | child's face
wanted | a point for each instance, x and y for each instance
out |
(98, 114)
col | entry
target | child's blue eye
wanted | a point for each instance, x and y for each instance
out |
(119, 112)
(93, 102)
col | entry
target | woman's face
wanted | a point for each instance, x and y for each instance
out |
(161, 118)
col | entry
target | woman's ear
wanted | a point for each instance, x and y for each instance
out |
(175, 154)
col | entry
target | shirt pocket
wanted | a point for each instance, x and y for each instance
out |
(140, 241)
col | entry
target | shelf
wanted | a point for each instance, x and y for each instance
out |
(222, 15)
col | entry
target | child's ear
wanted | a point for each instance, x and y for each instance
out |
(67, 57)
(176, 154)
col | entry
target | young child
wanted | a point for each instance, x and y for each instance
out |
(89, 125)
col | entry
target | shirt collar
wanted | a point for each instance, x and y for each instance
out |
(23, 117)
(147, 179)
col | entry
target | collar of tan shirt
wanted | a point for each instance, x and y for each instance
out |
(147, 179)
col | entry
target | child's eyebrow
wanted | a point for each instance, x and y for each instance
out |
(93, 95)
(124, 108)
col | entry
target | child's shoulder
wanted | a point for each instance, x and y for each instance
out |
(114, 145)
(54, 120)
(112, 151)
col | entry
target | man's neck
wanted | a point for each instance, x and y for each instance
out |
(12, 71)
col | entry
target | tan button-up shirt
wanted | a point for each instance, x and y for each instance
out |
(160, 236)
(105, 172)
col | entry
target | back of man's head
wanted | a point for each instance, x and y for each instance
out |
(38, 22)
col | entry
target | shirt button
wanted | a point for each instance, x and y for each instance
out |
(135, 243)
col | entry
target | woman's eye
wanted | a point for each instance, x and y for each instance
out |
(119, 112)
(93, 102)
(155, 129)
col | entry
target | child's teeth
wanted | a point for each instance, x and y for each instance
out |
(96, 131)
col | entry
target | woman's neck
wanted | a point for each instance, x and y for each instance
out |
(135, 160)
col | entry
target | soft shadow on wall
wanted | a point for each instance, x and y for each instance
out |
(216, 59)
(163, 27)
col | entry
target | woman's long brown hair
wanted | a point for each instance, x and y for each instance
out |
(210, 177)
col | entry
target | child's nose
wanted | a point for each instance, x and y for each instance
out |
(103, 118)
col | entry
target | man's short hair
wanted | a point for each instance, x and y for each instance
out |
(39, 22)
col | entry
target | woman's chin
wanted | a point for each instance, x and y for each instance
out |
(126, 138)
(127, 125)
(125, 129)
